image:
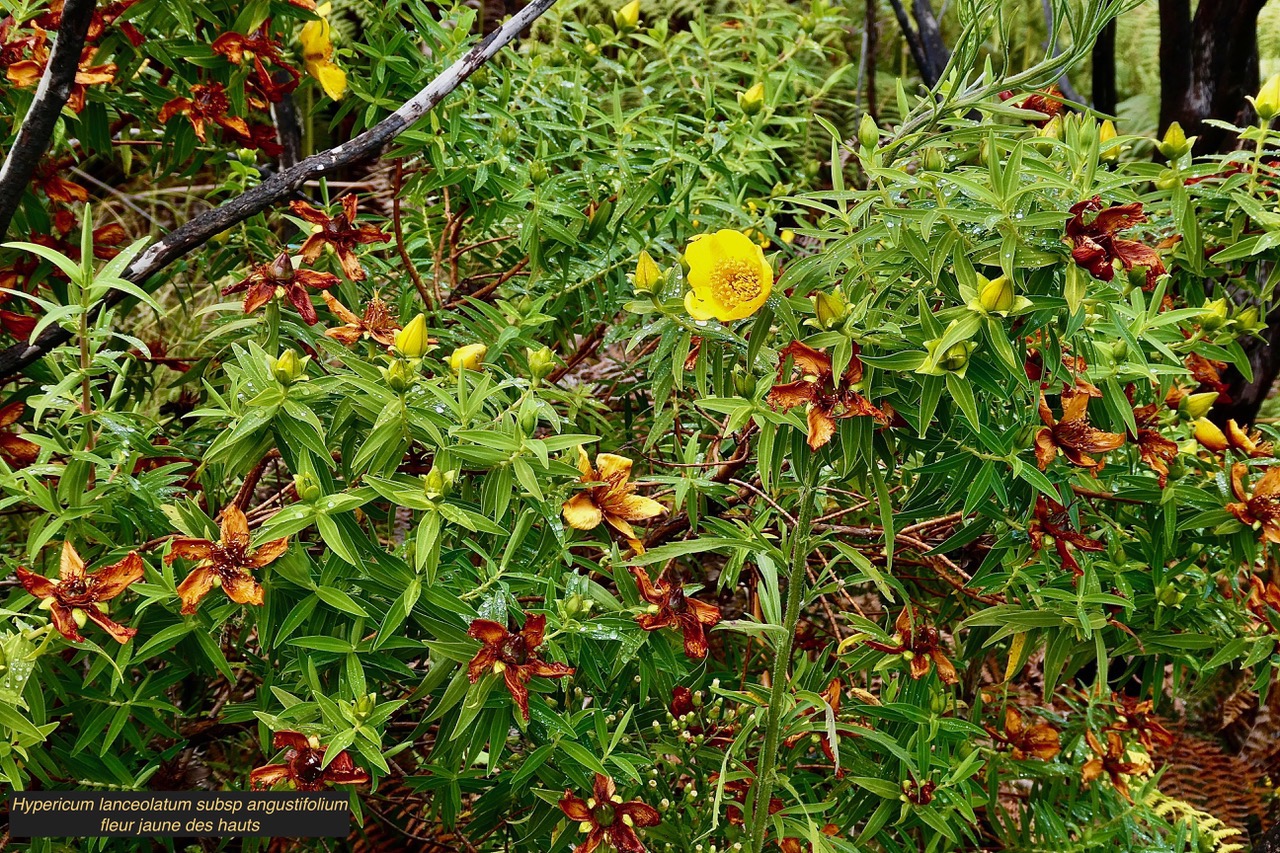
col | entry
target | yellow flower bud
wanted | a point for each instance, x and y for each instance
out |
(1106, 133)
(868, 132)
(81, 618)
(411, 341)
(997, 295)
(1267, 104)
(787, 236)
(1175, 142)
(648, 274)
(752, 100)
(1196, 406)
(467, 357)
(1209, 436)
(313, 741)
(627, 18)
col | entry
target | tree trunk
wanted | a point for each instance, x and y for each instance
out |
(1104, 70)
(1208, 64)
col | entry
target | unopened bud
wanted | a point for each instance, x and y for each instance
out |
(1106, 133)
(288, 368)
(399, 375)
(1195, 406)
(437, 483)
(468, 357)
(627, 18)
(411, 341)
(1267, 104)
(305, 485)
(1209, 436)
(1175, 143)
(1213, 314)
(956, 356)
(538, 173)
(831, 308)
(996, 295)
(868, 132)
(541, 362)
(648, 274)
(752, 100)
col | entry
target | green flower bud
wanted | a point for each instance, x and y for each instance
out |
(399, 375)
(437, 483)
(868, 132)
(306, 486)
(956, 356)
(247, 156)
(997, 295)
(412, 341)
(648, 274)
(288, 368)
(831, 308)
(538, 173)
(932, 160)
(81, 618)
(509, 135)
(1175, 143)
(541, 362)
(1213, 314)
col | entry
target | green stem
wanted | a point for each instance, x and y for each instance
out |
(766, 767)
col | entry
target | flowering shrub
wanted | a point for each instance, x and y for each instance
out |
(649, 456)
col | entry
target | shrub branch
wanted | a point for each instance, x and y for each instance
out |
(42, 118)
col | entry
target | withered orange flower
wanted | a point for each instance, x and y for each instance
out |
(106, 15)
(669, 607)
(19, 326)
(208, 103)
(1154, 449)
(1092, 231)
(1053, 520)
(302, 766)
(1207, 374)
(817, 388)
(1263, 596)
(377, 322)
(261, 48)
(1048, 102)
(1262, 507)
(604, 816)
(514, 656)
(797, 845)
(1023, 740)
(1072, 436)
(1139, 718)
(78, 596)
(225, 563)
(920, 645)
(278, 276)
(56, 188)
(1110, 761)
(16, 451)
(340, 233)
(612, 499)
(1247, 442)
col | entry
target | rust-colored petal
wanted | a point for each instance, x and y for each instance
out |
(821, 426)
(269, 776)
(791, 394)
(268, 553)
(515, 678)
(535, 627)
(641, 814)
(648, 591)
(695, 636)
(235, 527)
(339, 310)
(946, 670)
(112, 580)
(38, 585)
(65, 622)
(70, 567)
(574, 808)
(18, 451)
(118, 632)
(196, 586)
(187, 548)
(488, 632)
(241, 588)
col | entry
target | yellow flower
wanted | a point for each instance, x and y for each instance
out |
(317, 54)
(469, 357)
(1267, 104)
(1106, 133)
(612, 500)
(729, 276)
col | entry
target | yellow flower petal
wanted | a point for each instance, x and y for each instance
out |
(697, 309)
(580, 513)
(331, 78)
(614, 470)
(728, 274)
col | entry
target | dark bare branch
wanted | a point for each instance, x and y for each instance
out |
(41, 120)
